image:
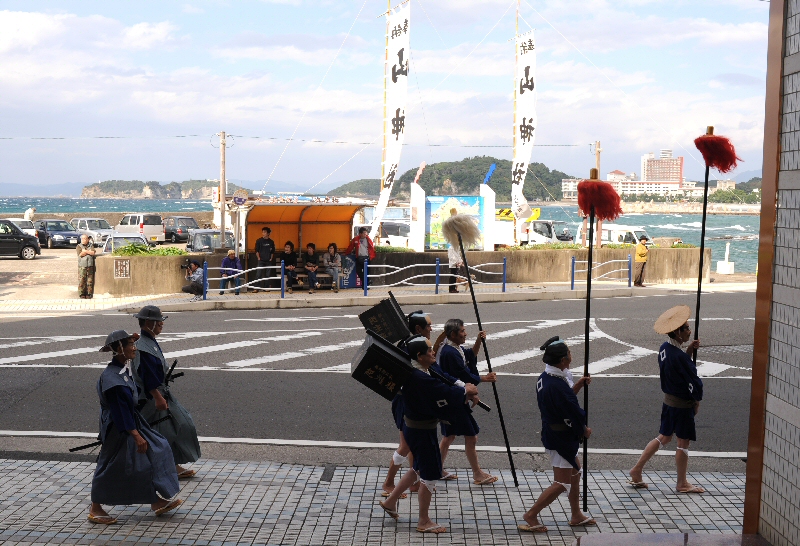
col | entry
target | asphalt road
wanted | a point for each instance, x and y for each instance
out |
(284, 374)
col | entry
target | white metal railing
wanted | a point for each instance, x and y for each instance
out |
(596, 268)
(436, 275)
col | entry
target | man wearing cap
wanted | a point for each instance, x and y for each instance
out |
(231, 265)
(640, 261)
(157, 398)
(683, 391)
(135, 462)
(426, 401)
(563, 428)
(194, 274)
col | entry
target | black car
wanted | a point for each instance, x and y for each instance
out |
(55, 233)
(13, 242)
(176, 228)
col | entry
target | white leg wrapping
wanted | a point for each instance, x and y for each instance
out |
(660, 445)
(684, 450)
(398, 459)
(567, 486)
(430, 486)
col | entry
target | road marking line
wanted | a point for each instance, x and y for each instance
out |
(710, 369)
(237, 344)
(362, 445)
(297, 354)
(291, 319)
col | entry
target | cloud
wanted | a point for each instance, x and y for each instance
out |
(148, 35)
(308, 49)
(736, 80)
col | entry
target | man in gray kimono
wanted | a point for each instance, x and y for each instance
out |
(151, 370)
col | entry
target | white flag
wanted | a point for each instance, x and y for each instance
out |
(398, 51)
(525, 127)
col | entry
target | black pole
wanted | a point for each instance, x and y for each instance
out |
(488, 363)
(700, 274)
(586, 356)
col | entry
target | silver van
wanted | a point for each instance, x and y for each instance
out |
(148, 225)
(97, 229)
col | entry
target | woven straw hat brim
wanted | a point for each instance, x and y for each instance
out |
(672, 319)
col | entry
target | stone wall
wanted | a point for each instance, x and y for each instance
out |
(147, 274)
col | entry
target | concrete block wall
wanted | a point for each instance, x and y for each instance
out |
(780, 490)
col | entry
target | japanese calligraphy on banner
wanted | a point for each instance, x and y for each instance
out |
(398, 51)
(525, 118)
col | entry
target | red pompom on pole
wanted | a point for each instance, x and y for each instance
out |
(600, 200)
(718, 152)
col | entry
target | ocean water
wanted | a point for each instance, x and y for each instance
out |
(44, 205)
(740, 231)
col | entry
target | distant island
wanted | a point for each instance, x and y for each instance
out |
(136, 189)
(464, 178)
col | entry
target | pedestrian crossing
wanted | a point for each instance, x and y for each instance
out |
(326, 343)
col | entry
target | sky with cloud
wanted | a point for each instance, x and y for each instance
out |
(638, 75)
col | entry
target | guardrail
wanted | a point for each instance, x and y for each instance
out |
(596, 267)
(250, 285)
(436, 275)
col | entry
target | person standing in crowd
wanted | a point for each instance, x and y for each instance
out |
(683, 391)
(290, 266)
(194, 274)
(311, 266)
(332, 264)
(135, 462)
(86, 254)
(462, 363)
(29, 214)
(640, 261)
(563, 428)
(151, 370)
(363, 249)
(455, 262)
(427, 400)
(265, 252)
(231, 265)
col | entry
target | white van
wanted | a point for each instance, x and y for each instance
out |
(617, 234)
(391, 233)
(539, 232)
(149, 226)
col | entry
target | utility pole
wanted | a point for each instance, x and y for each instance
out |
(223, 189)
(597, 150)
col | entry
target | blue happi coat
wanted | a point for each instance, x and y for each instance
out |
(558, 406)
(678, 373)
(124, 476)
(465, 369)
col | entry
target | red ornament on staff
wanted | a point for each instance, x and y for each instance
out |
(599, 200)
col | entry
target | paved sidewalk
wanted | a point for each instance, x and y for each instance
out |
(232, 502)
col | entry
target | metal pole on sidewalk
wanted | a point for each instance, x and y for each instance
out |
(630, 271)
(283, 280)
(223, 189)
(504, 274)
(364, 281)
(205, 280)
(572, 275)
(437, 276)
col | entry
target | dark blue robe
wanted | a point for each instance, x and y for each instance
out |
(427, 398)
(558, 406)
(450, 362)
(678, 378)
(124, 476)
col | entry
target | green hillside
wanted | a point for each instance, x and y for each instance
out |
(463, 178)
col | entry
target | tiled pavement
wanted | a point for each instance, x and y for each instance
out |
(235, 503)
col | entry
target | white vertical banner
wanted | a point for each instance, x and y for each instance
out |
(525, 122)
(398, 51)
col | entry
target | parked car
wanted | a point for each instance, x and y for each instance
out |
(97, 229)
(55, 233)
(618, 234)
(25, 225)
(117, 241)
(13, 242)
(176, 228)
(149, 226)
(206, 240)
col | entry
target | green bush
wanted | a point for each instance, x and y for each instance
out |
(138, 249)
(547, 246)
(387, 249)
(618, 245)
(683, 245)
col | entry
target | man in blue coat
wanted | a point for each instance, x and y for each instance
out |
(563, 428)
(683, 391)
(426, 401)
(462, 363)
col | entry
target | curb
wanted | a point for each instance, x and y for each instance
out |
(299, 301)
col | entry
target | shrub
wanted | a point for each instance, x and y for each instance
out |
(137, 249)
(387, 249)
(683, 245)
(547, 246)
(618, 245)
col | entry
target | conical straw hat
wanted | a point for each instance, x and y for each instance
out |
(671, 320)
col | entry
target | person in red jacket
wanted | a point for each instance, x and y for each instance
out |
(363, 249)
